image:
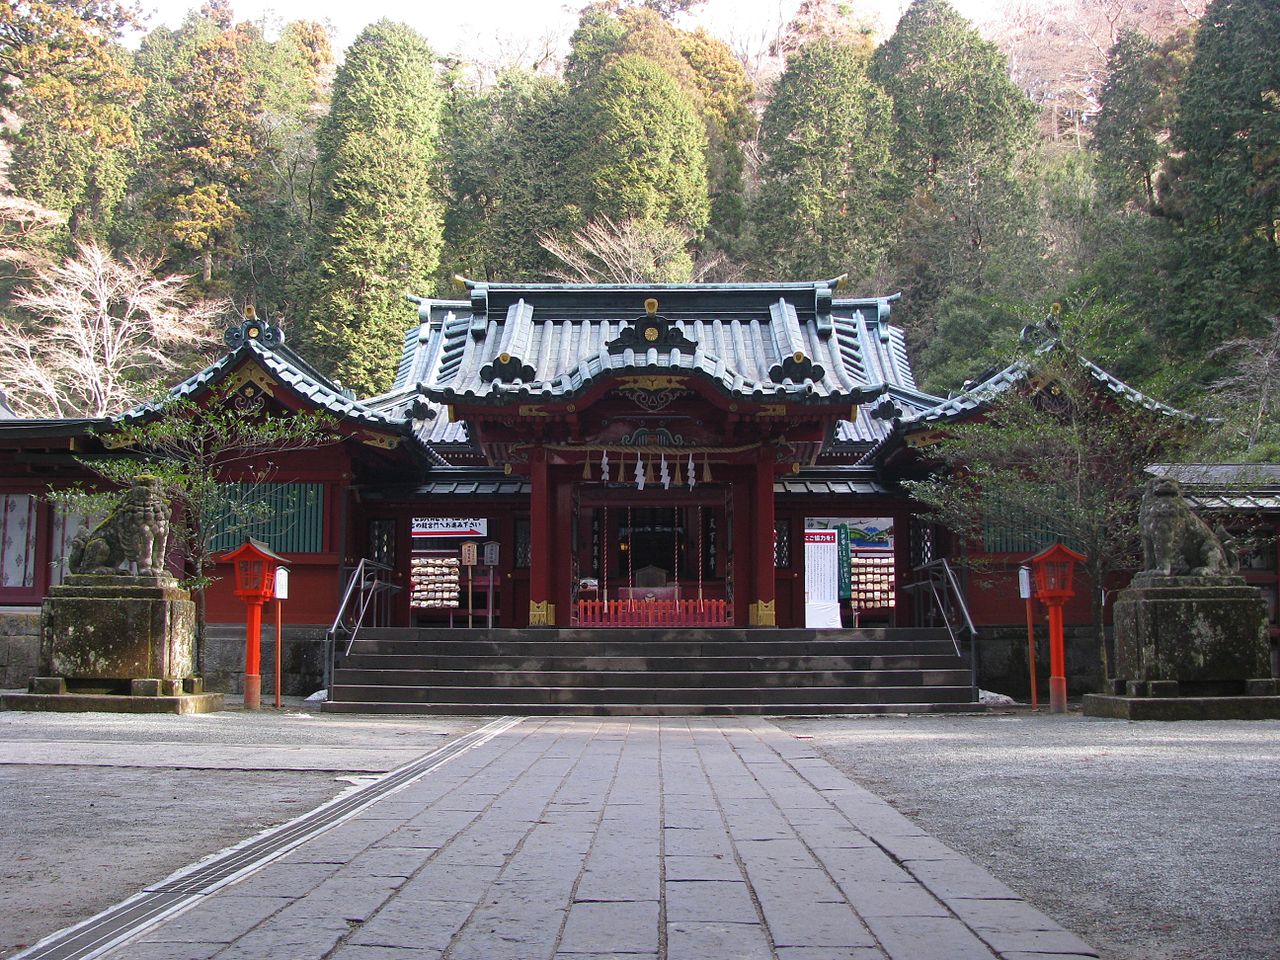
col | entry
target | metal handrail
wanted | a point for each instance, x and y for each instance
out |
(366, 583)
(940, 577)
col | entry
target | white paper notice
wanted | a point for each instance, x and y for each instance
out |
(821, 579)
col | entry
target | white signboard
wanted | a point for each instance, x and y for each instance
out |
(282, 583)
(435, 528)
(821, 578)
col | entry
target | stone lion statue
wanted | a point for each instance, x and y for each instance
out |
(135, 533)
(1176, 542)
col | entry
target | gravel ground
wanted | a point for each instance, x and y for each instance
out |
(94, 807)
(1153, 841)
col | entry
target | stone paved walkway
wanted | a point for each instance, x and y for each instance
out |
(582, 839)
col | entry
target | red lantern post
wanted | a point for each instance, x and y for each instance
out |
(1054, 572)
(255, 567)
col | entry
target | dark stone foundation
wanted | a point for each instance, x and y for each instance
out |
(1190, 636)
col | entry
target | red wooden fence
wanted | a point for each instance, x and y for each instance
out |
(653, 613)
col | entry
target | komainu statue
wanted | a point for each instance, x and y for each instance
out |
(1177, 543)
(135, 533)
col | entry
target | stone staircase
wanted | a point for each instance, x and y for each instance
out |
(631, 672)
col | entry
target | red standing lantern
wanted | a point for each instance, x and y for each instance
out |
(255, 566)
(1054, 573)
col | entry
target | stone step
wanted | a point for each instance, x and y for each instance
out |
(649, 678)
(658, 664)
(648, 634)
(648, 709)
(515, 696)
(620, 647)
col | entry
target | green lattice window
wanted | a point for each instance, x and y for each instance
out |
(1006, 532)
(288, 517)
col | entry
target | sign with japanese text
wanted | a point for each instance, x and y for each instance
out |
(435, 528)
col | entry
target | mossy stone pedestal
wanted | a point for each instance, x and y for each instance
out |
(118, 628)
(1204, 636)
(1190, 647)
(117, 643)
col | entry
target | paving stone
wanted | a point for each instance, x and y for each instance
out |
(294, 937)
(558, 840)
(617, 927)
(1009, 915)
(136, 950)
(450, 881)
(950, 879)
(695, 843)
(1036, 941)
(349, 951)
(386, 862)
(729, 901)
(219, 918)
(797, 923)
(610, 884)
(807, 885)
(704, 941)
(862, 864)
(355, 902)
(285, 878)
(927, 938)
(701, 868)
(874, 898)
(418, 924)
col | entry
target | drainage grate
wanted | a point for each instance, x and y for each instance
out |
(109, 929)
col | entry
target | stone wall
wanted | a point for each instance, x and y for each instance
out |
(19, 648)
(1002, 668)
(302, 660)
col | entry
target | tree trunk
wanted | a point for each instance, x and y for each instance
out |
(206, 272)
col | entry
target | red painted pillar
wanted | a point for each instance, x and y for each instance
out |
(1057, 661)
(542, 609)
(252, 656)
(763, 610)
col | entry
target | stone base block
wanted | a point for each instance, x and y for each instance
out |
(1182, 708)
(1262, 688)
(111, 703)
(118, 628)
(1206, 635)
(47, 685)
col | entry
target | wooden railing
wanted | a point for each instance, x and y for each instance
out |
(653, 613)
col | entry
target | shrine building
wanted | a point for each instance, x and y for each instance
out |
(658, 456)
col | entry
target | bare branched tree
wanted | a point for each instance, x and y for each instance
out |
(1057, 49)
(630, 251)
(1251, 393)
(25, 228)
(95, 334)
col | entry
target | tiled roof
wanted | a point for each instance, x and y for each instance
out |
(858, 352)
(979, 395)
(1248, 487)
(759, 341)
(291, 370)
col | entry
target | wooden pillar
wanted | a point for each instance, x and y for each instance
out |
(763, 610)
(542, 609)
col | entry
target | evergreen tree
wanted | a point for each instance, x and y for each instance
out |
(201, 115)
(953, 101)
(1125, 135)
(380, 222)
(825, 140)
(65, 77)
(293, 75)
(706, 71)
(505, 159)
(1228, 128)
(641, 149)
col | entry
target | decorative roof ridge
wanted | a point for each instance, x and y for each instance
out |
(805, 285)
